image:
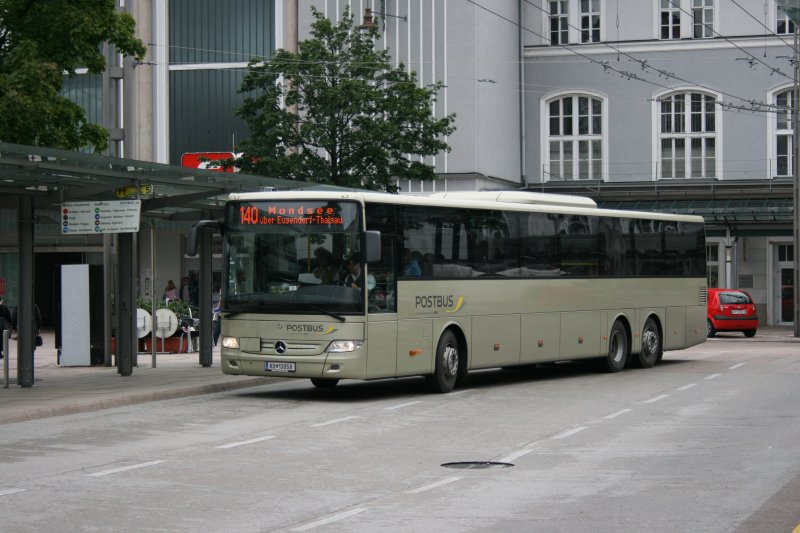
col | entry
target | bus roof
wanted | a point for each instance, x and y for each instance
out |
(507, 200)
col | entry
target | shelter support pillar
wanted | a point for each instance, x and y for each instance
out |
(206, 356)
(25, 327)
(126, 305)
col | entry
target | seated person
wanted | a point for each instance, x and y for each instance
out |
(326, 265)
(352, 275)
(412, 267)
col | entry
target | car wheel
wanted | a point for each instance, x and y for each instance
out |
(749, 333)
(710, 331)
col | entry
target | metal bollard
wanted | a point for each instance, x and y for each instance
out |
(6, 357)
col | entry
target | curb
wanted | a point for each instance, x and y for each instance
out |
(132, 399)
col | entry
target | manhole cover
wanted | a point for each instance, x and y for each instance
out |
(476, 464)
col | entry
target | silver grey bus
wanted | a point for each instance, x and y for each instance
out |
(361, 285)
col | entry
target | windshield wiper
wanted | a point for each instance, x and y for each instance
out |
(327, 312)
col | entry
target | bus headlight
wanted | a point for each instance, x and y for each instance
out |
(344, 346)
(230, 342)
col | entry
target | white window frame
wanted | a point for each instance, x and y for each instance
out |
(687, 134)
(677, 7)
(774, 131)
(560, 16)
(596, 13)
(574, 138)
(704, 8)
(780, 16)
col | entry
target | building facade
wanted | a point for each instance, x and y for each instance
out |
(675, 105)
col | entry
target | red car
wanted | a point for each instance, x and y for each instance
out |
(731, 310)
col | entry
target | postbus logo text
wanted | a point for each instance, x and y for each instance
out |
(446, 302)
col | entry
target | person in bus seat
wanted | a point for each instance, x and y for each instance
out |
(353, 277)
(412, 266)
(326, 265)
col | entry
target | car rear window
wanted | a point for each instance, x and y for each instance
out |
(734, 298)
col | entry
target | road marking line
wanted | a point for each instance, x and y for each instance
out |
(402, 405)
(569, 432)
(712, 376)
(6, 492)
(242, 443)
(514, 456)
(686, 387)
(657, 398)
(125, 468)
(433, 485)
(796, 529)
(737, 365)
(618, 413)
(334, 421)
(459, 392)
(330, 519)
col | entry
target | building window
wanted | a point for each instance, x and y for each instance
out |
(688, 135)
(784, 134)
(575, 138)
(670, 19)
(559, 22)
(712, 264)
(784, 25)
(590, 21)
(703, 18)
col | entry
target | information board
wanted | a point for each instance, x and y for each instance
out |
(100, 217)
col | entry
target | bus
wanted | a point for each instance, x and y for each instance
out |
(370, 285)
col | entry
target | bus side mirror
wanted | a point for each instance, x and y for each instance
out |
(193, 238)
(373, 246)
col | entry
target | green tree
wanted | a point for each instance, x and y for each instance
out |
(40, 41)
(338, 112)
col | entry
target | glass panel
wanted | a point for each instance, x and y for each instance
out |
(274, 257)
(680, 158)
(568, 159)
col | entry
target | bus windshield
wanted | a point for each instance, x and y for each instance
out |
(292, 257)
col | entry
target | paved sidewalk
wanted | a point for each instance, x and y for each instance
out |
(59, 390)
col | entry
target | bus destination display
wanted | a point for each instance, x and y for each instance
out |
(285, 215)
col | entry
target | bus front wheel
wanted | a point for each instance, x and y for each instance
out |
(447, 364)
(617, 348)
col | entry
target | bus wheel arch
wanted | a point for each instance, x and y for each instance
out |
(450, 363)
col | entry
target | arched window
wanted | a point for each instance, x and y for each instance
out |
(575, 138)
(687, 135)
(784, 134)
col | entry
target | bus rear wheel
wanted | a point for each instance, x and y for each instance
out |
(324, 383)
(651, 345)
(447, 364)
(617, 348)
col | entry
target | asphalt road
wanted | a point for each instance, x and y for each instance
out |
(707, 441)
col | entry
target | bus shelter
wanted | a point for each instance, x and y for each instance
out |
(33, 179)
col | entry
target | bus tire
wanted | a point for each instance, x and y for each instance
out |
(324, 383)
(651, 345)
(447, 364)
(617, 348)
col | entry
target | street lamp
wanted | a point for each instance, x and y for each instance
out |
(792, 10)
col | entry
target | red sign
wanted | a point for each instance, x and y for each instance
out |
(201, 160)
(2, 286)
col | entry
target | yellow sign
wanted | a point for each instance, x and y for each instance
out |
(130, 190)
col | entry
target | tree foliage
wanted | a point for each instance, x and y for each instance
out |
(40, 41)
(338, 112)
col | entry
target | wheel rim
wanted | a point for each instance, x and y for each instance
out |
(616, 348)
(650, 341)
(450, 360)
(708, 329)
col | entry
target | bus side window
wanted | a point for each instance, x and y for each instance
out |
(381, 217)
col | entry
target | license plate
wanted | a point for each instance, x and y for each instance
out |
(738, 311)
(276, 366)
